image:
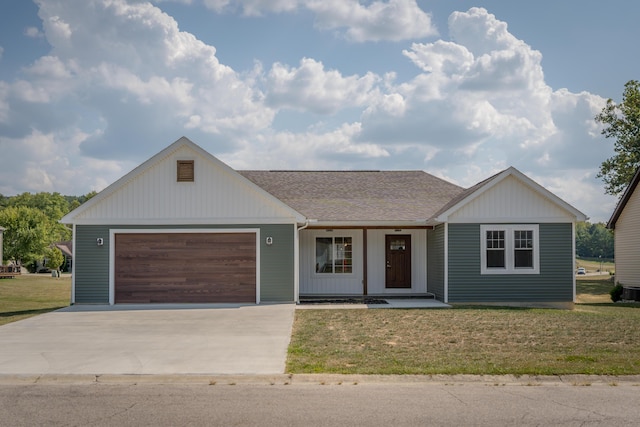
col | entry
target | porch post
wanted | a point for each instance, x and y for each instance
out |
(364, 261)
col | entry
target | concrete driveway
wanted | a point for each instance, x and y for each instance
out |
(176, 339)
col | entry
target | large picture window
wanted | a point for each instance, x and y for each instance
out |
(334, 255)
(509, 249)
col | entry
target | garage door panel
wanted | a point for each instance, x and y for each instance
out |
(185, 267)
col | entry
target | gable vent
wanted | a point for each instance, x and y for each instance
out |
(185, 171)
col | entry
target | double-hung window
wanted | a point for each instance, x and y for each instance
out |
(509, 249)
(334, 255)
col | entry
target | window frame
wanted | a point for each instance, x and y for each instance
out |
(509, 243)
(333, 265)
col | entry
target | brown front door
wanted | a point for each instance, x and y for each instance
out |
(398, 255)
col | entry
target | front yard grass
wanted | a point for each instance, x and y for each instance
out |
(601, 339)
(30, 294)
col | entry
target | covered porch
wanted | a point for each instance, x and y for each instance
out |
(364, 261)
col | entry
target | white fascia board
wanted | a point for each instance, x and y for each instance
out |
(185, 221)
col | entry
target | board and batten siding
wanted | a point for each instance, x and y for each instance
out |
(312, 283)
(91, 262)
(376, 261)
(435, 262)
(553, 284)
(627, 242)
(156, 195)
(510, 199)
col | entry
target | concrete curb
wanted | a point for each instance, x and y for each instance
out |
(324, 379)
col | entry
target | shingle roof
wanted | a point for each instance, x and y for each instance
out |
(358, 195)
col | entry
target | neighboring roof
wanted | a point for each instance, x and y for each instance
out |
(65, 247)
(358, 195)
(480, 188)
(623, 200)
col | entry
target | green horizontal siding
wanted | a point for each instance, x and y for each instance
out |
(91, 263)
(553, 284)
(277, 263)
(435, 261)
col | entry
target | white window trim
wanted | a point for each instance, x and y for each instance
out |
(509, 248)
(334, 237)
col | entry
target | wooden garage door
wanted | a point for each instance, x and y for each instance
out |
(185, 267)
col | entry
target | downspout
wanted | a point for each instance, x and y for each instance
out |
(296, 262)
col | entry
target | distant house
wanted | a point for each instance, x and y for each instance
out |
(66, 248)
(185, 227)
(625, 222)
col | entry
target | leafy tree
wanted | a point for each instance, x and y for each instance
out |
(28, 233)
(621, 122)
(54, 205)
(54, 257)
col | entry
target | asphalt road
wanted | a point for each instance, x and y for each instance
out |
(370, 404)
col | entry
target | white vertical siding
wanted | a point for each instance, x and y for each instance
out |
(215, 193)
(376, 262)
(627, 242)
(312, 283)
(510, 199)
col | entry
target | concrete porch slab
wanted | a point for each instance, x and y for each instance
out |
(391, 303)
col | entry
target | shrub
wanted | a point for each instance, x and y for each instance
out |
(616, 293)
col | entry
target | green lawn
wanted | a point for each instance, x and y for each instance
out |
(31, 294)
(597, 337)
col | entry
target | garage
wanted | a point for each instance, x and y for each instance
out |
(185, 267)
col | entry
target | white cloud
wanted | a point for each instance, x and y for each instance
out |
(312, 88)
(121, 81)
(380, 20)
(33, 32)
(333, 150)
(132, 55)
(252, 7)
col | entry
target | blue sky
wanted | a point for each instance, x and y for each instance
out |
(461, 89)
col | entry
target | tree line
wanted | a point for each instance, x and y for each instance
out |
(594, 241)
(32, 227)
